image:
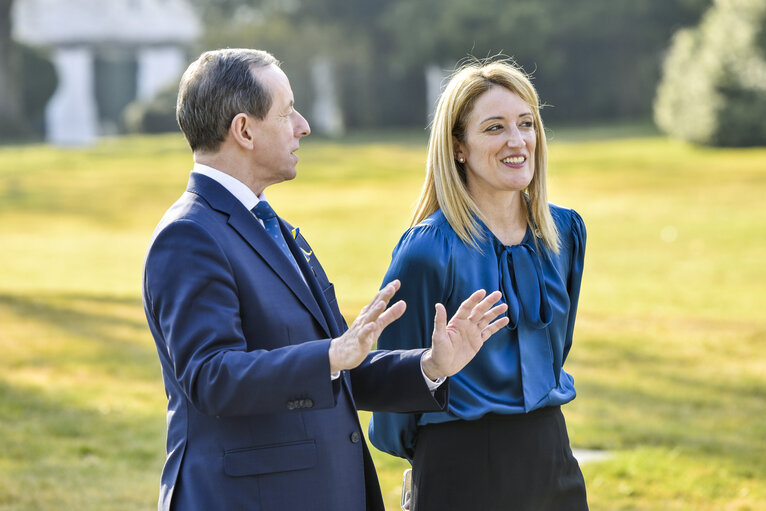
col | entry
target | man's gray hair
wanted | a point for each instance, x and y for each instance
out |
(216, 87)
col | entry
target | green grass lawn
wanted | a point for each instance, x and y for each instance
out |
(670, 346)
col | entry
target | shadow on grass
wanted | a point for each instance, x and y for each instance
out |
(56, 455)
(81, 405)
(104, 332)
(661, 393)
(37, 425)
(66, 309)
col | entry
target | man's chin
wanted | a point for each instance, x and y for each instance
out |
(289, 175)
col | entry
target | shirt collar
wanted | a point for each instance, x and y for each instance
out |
(236, 187)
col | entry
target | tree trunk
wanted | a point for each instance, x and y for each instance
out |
(11, 121)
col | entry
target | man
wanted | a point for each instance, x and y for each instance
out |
(262, 375)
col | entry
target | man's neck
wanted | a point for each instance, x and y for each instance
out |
(235, 167)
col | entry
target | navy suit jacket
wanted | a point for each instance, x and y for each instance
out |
(254, 420)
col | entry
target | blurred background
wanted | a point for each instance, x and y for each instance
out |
(70, 72)
(655, 112)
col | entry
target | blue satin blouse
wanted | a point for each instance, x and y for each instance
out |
(519, 369)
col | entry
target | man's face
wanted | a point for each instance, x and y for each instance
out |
(277, 136)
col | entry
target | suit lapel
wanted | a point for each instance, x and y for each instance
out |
(316, 278)
(310, 267)
(245, 223)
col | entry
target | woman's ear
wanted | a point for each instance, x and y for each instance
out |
(242, 130)
(458, 150)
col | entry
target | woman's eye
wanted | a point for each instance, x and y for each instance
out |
(494, 127)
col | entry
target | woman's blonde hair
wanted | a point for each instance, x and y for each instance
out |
(445, 186)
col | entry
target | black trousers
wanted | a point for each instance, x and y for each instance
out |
(499, 462)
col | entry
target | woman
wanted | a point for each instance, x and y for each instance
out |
(483, 221)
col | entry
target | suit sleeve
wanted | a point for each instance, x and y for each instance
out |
(393, 381)
(193, 306)
(421, 261)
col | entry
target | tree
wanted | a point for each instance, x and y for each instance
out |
(12, 122)
(297, 32)
(713, 91)
(594, 59)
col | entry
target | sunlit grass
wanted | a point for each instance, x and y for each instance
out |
(669, 351)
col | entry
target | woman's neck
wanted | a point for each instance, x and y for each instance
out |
(505, 216)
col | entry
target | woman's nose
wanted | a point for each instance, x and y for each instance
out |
(514, 137)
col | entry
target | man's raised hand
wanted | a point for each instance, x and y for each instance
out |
(454, 344)
(350, 349)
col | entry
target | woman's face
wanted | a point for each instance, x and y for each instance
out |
(499, 145)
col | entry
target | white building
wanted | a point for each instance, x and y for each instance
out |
(106, 54)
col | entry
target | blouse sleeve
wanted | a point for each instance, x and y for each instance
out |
(421, 261)
(576, 264)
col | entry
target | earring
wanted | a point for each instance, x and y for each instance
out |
(461, 159)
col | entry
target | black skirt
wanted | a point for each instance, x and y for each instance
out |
(499, 462)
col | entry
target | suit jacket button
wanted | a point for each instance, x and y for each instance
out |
(291, 405)
(355, 437)
(309, 403)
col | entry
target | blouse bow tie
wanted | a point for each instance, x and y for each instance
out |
(523, 286)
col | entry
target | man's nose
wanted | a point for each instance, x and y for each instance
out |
(302, 127)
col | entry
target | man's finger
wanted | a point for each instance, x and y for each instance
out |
(493, 313)
(383, 296)
(366, 337)
(373, 312)
(493, 328)
(388, 291)
(466, 308)
(482, 307)
(391, 314)
(440, 321)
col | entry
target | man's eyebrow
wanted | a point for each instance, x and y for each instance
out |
(288, 107)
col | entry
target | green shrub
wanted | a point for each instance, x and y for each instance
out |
(35, 79)
(38, 83)
(157, 115)
(713, 89)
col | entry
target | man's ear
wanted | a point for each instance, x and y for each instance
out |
(242, 131)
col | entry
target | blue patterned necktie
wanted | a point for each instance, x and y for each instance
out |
(264, 211)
